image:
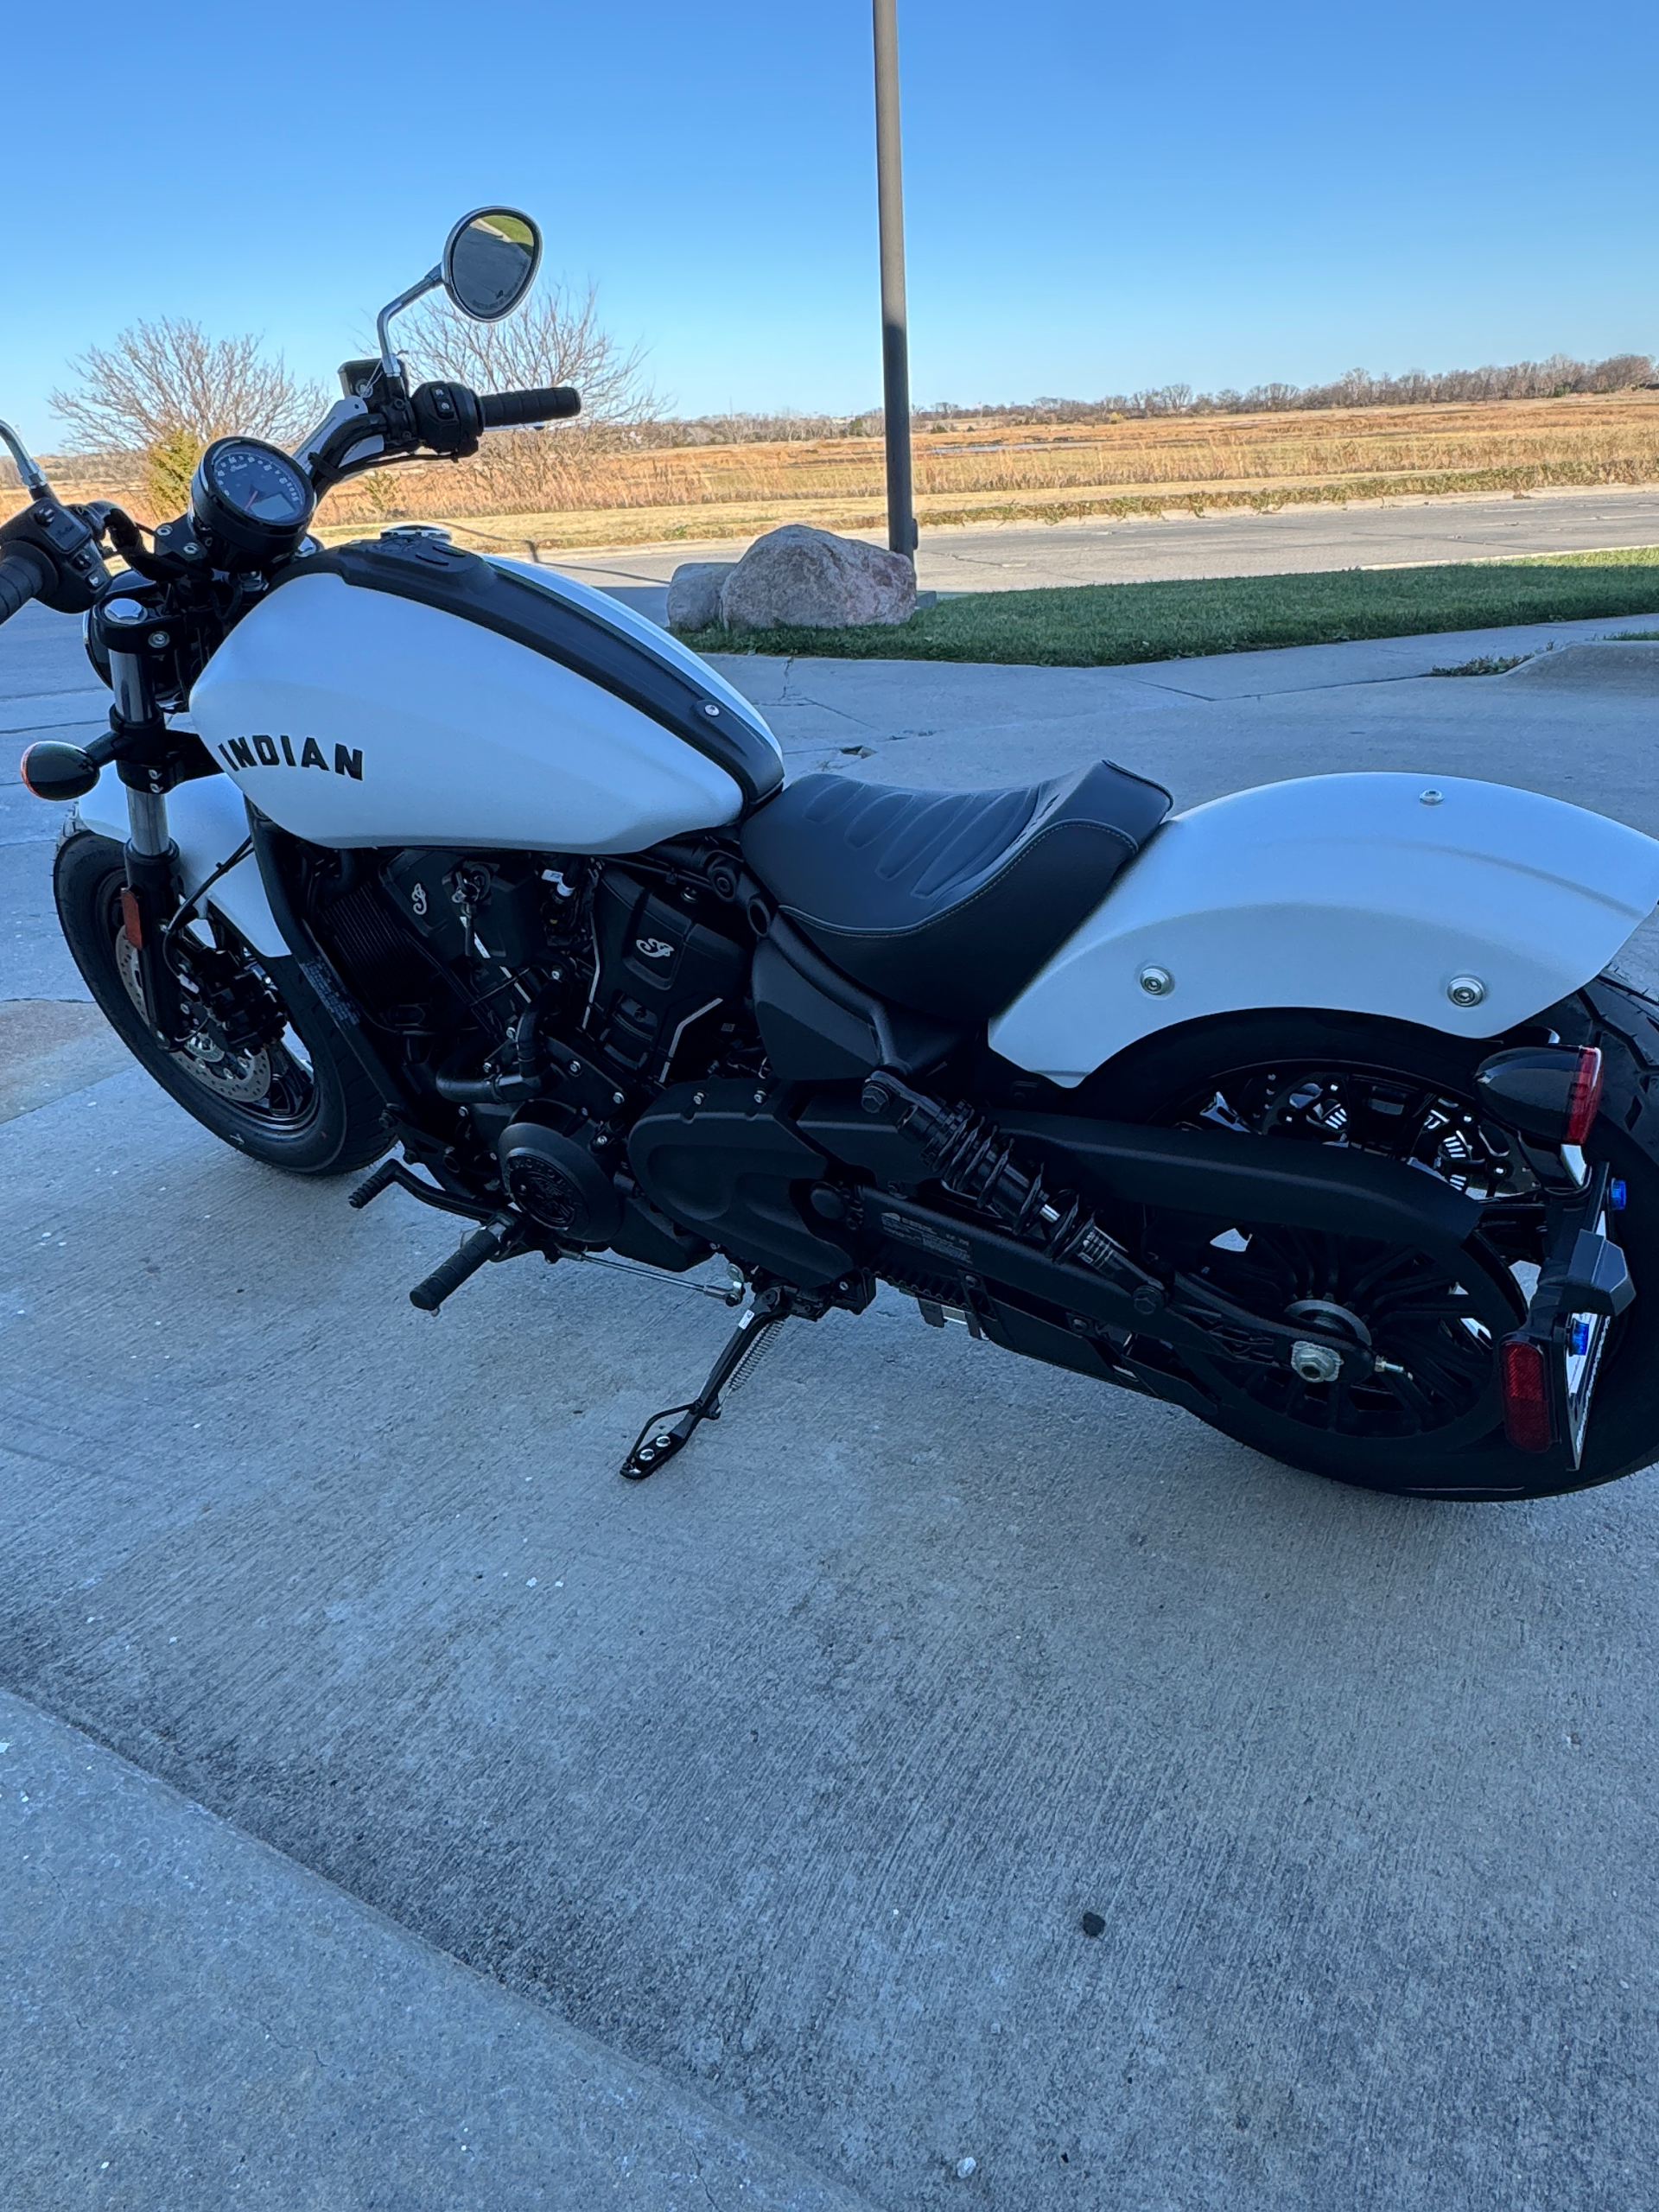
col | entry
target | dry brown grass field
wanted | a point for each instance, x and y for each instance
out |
(564, 488)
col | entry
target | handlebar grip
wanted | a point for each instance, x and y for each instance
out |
(510, 411)
(24, 576)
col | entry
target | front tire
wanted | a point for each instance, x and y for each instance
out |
(297, 1100)
(1408, 1094)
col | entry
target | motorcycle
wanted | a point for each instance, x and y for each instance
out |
(1312, 1110)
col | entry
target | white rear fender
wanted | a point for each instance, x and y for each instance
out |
(209, 820)
(1462, 906)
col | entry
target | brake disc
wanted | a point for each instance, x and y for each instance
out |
(243, 1078)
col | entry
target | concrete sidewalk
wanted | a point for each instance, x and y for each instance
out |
(192, 2019)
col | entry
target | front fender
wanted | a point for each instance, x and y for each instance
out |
(1363, 894)
(208, 818)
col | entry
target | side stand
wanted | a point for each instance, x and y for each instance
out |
(672, 1430)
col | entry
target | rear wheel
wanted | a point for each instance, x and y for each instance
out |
(277, 1081)
(1429, 1422)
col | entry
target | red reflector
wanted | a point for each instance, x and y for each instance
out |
(131, 920)
(1526, 1396)
(1585, 1101)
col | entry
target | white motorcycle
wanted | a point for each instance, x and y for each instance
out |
(1310, 1109)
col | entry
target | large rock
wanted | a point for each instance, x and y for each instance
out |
(816, 581)
(694, 593)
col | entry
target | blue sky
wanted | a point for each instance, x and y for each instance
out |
(1098, 198)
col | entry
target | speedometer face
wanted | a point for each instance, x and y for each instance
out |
(255, 481)
(250, 501)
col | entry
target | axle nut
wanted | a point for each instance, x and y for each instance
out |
(1466, 991)
(1157, 982)
(1315, 1362)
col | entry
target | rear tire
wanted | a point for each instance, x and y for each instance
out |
(302, 1103)
(1460, 1449)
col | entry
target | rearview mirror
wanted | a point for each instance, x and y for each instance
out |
(490, 262)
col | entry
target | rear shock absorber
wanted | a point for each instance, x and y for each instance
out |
(974, 1161)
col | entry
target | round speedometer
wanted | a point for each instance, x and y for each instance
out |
(250, 498)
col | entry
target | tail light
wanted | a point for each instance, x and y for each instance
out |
(1584, 1100)
(1526, 1419)
(1551, 1093)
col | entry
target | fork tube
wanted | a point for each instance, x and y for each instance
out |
(151, 893)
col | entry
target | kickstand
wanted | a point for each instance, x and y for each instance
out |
(657, 1443)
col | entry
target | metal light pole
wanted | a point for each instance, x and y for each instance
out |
(895, 342)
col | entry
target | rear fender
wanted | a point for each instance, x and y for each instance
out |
(1379, 894)
(208, 818)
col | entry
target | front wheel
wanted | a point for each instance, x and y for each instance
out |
(279, 1082)
(1430, 1421)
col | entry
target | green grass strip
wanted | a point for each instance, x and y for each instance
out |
(1095, 625)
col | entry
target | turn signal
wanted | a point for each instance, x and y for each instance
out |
(1527, 1421)
(58, 772)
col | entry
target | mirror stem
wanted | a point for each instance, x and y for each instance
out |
(28, 470)
(390, 367)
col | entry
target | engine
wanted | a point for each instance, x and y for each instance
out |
(546, 1005)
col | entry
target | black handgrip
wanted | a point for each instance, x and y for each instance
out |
(510, 411)
(488, 1244)
(24, 576)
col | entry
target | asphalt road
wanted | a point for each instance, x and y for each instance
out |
(1019, 556)
(771, 1795)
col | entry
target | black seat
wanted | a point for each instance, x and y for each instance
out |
(948, 901)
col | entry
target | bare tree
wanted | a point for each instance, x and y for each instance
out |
(557, 339)
(166, 390)
(169, 376)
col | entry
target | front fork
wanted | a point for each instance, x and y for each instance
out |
(151, 896)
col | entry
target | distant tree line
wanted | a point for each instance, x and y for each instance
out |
(1552, 379)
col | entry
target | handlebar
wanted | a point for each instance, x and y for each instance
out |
(444, 417)
(509, 410)
(23, 576)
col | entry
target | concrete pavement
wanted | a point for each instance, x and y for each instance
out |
(193, 2020)
(765, 1805)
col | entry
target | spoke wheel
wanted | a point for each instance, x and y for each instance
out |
(1434, 1332)
(1429, 1422)
(284, 1088)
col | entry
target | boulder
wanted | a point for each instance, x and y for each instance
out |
(817, 581)
(694, 593)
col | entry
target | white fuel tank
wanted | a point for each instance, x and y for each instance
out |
(404, 692)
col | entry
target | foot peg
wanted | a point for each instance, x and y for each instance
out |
(493, 1241)
(500, 1236)
(378, 1179)
(672, 1429)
